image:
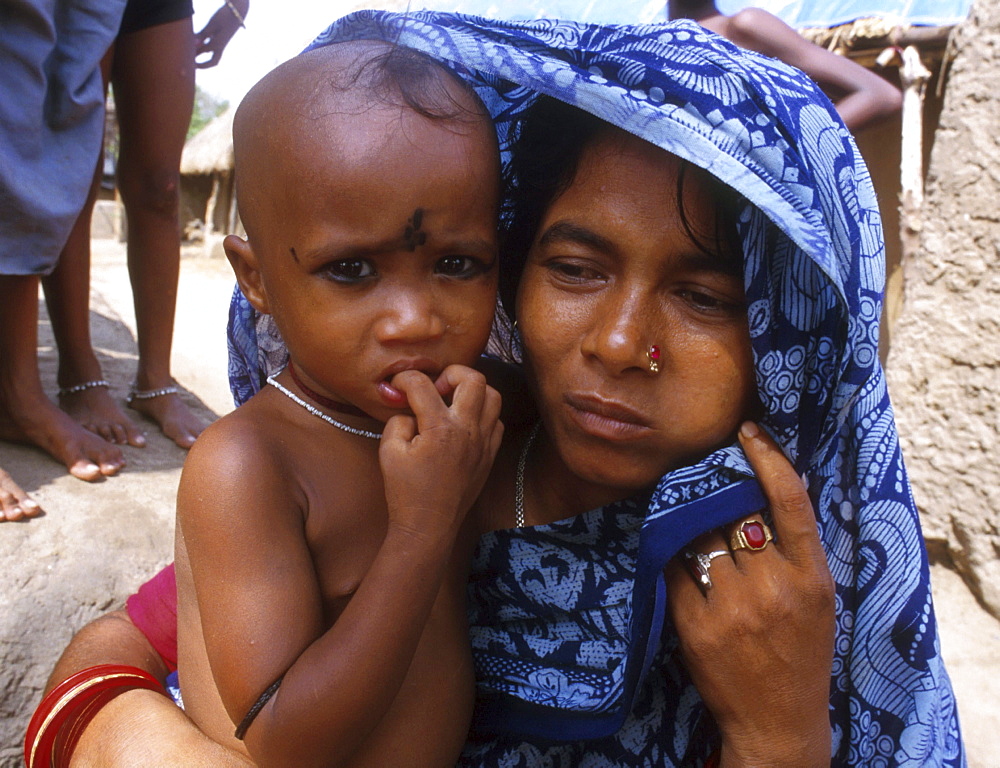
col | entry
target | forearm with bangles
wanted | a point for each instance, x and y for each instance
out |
(66, 710)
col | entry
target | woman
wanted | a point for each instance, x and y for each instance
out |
(813, 274)
(811, 243)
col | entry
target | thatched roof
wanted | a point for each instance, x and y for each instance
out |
(864, 39)
(211, 149)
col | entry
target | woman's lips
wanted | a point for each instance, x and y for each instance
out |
(604, 418)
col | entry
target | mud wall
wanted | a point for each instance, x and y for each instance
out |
(944, 361)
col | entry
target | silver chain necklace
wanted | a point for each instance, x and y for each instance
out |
(319, 414)
(519, 477)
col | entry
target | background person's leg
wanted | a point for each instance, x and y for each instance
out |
(153, 78)
(67, 295)
(26, 414)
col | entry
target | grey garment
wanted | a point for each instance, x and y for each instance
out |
(51, 122)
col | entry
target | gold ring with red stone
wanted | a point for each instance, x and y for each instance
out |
(751, 534)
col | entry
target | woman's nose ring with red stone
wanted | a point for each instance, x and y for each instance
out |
(653, 355)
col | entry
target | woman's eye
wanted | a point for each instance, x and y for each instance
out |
(707, 302)
(349, 270)
(460, 266)
(573, 272)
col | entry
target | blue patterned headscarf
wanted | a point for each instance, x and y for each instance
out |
(814, 273)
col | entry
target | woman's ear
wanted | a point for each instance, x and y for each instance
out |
(244, 263)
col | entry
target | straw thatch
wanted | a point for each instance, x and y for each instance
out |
(208, 197)
(211, 149)
(864, 39)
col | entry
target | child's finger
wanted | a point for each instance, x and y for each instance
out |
(401, 427)
(489, 420)
(496, 438)
(492, 406)
(470, 392)
(449, 379)
(791, 509)
(422, 397)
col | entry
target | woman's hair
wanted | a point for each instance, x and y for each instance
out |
(546, 146)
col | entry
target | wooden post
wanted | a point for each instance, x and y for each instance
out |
(213, 202)
(233, 221)
(913, 77)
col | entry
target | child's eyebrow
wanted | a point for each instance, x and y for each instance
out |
(480, 247)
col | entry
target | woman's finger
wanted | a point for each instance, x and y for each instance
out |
(686, 599)
(706, 556)
(791, 509)
(710, 554)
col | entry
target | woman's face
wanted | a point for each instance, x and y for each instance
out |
(611, 274)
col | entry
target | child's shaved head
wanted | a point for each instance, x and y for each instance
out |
(342, 102)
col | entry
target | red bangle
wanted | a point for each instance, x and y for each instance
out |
(64, 713)
(712, 761)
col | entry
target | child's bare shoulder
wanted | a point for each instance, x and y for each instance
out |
(237, 437)
(237, 457)
(260, 461)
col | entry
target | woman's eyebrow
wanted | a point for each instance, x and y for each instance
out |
(699, 261)
(695, 261)
(567, 232)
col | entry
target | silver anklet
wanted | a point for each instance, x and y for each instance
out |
(63, 391)
(320, 415)
(149, 394)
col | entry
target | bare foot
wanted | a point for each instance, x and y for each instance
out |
(37, 421)
(172, 414)
(94, 409)
(15, 504)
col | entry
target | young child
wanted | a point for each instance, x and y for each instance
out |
(319, 548)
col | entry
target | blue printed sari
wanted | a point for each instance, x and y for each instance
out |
(576, 663)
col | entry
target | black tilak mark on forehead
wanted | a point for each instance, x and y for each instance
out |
(412, 234)
(294, 255)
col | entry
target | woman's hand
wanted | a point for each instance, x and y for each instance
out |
(215, 35)
(435, 462)
(759, 642)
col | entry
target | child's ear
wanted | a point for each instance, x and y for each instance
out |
(244, 263)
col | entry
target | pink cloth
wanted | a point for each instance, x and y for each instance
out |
(153, 609)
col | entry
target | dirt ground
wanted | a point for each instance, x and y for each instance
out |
(97, 542)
